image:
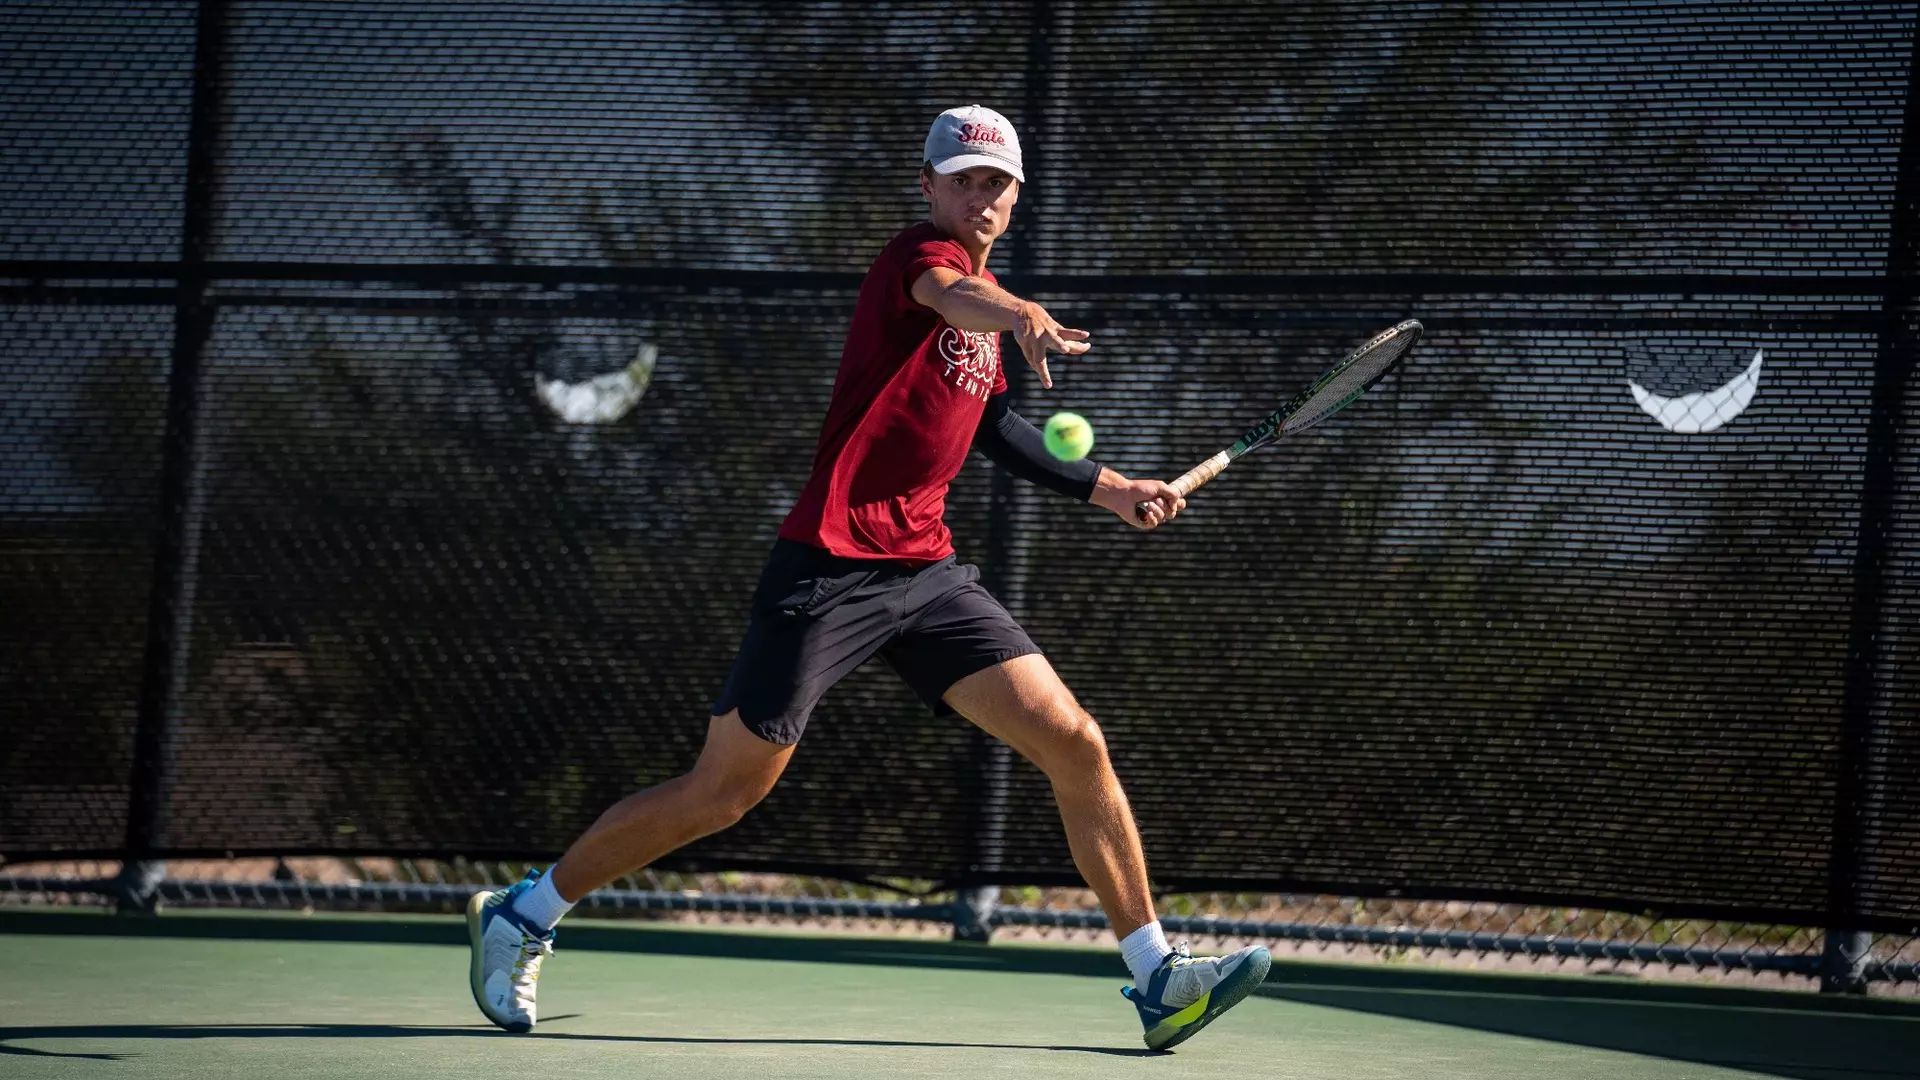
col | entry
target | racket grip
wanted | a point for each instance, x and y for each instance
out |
(1191, 480)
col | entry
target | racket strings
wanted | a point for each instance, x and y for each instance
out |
(1348, 381)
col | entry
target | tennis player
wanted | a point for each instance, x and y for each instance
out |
(864, 565)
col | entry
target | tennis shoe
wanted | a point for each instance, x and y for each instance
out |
(1186, 992)
(507, 954)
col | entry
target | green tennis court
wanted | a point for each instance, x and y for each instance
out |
(219, 995)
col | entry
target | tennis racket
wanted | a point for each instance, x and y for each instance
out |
(1330, 393)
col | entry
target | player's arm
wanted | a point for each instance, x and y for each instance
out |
(973, 303)
(1013, 443)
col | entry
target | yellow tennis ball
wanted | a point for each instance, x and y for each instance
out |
(1069, 436)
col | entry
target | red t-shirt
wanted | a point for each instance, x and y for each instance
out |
(905, 404)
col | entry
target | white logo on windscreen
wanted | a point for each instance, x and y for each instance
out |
(970, 359)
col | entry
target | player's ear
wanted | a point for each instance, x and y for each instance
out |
(926, 180)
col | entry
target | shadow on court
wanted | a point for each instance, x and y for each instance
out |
(51, 1032)
(1779, 1038)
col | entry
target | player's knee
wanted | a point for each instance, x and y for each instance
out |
(1078, 746)
(730, 795)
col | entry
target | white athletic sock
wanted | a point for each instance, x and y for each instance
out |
(1143, 950)
(542, 905)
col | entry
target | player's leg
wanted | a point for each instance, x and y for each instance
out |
(1023, 703)
(960, 650)
(814, 619)
(735, 771)
(511, 930)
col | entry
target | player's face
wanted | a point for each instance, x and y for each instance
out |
(974, 206)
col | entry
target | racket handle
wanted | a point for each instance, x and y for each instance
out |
(1191, 480)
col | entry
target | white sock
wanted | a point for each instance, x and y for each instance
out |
(1143, 950)
(542, 905)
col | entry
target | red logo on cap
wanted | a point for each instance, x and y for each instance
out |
(971, 132)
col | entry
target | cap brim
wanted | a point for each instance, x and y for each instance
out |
(969, 161)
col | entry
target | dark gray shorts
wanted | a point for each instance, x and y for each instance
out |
(816, 617)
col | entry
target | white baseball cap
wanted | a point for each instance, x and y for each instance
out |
(973, 135)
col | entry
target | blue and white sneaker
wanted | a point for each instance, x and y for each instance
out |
(507, 954)
(1186, 992)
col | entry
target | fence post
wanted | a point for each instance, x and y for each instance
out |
(1843, 967)
(176, 549)
(993, 759)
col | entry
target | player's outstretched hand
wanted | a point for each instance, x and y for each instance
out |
(1121, 495)
(1039, 334)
